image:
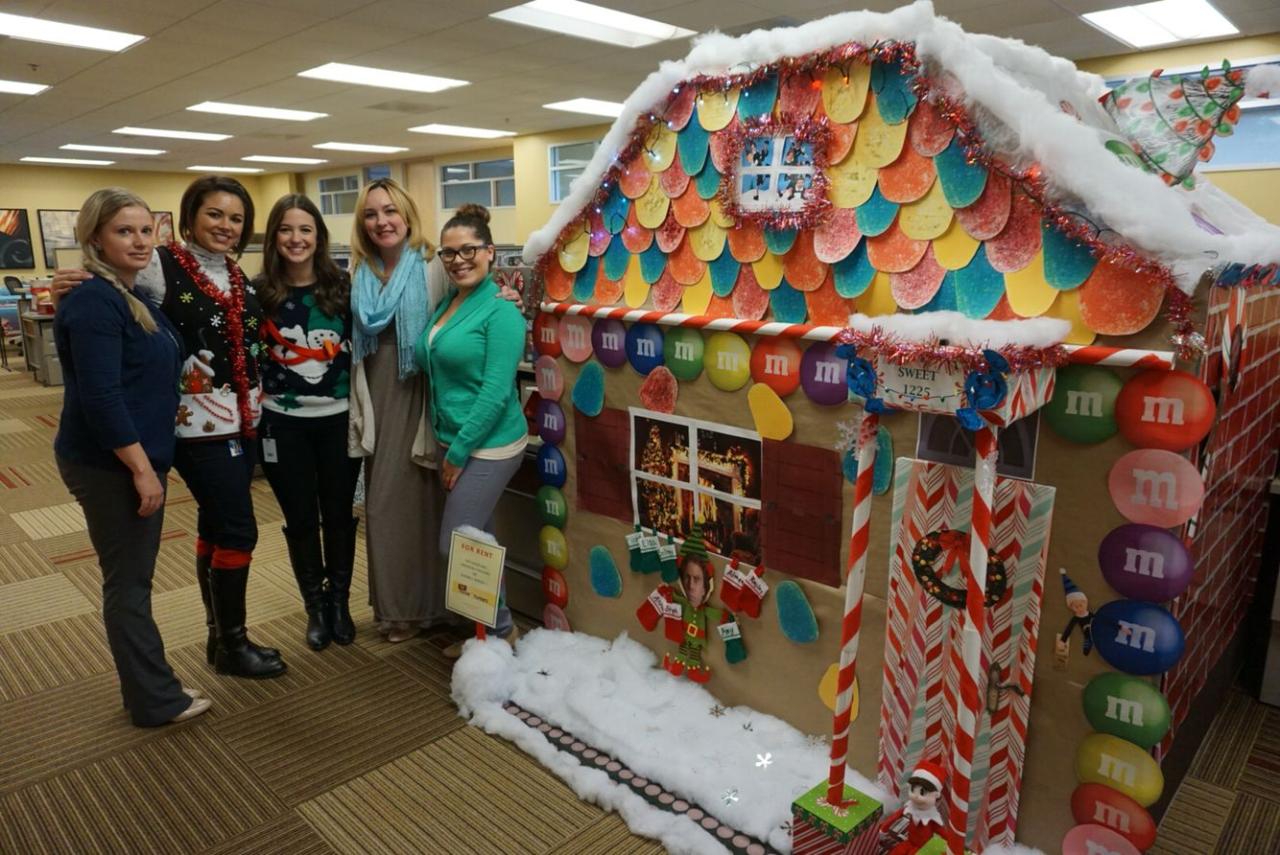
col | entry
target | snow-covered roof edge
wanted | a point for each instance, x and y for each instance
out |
(1020, 87)
(959, 329)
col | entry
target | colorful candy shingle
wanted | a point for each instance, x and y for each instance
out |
(844, 91)
(692, 143)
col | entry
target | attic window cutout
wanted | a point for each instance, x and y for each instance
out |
(779, 178)
(942, 440)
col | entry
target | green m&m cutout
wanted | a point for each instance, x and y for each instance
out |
(1083, 407)
(552, 508)
(682, 352)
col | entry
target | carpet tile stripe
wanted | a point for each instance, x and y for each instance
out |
(455, 795)
(1252, 827)
(10, 531)
(1225, 749)
(22, 561)
(34, 497)
(8, 426)
(39, 600)
(52, 654)
(1261, 774)
(287, 834)
(323, 735)
(179, 793)
(1194, 819)
(52, 521)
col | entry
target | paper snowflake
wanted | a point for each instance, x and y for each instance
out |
(764, 760)
(717, 711)
(730, 796)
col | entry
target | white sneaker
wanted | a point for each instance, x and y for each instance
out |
(199, 706)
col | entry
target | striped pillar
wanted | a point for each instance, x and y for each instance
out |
(968, 661)
(855, 580)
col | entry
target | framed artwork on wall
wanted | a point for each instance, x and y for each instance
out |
(164, 227)
(15, 240)
(57, 231)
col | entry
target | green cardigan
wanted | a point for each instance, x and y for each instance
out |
(471, 367)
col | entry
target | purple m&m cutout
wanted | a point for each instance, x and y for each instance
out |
(1144, 562)
(822, 375)
(609, 338)
(550, 422)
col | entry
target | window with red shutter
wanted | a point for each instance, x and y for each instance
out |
(602, 446)
(801, 512)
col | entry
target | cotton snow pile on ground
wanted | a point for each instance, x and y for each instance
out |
(1016, 91)
(611, 695)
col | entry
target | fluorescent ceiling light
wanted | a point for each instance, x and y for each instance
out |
(590, 106)
(222, 169)
(351, 146)
(270, 158)
(17, 87)
(172, 135)
(255, 112)
(111, 149)
(54, 33)
(68, 161)
(459, 131)
(586, 21)
(1161, 23)
(365, 76)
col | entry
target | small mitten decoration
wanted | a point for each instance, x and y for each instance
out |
(731, 634)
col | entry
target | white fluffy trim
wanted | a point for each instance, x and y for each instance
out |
(964, 331)
(1262, 81)
(1015, 92)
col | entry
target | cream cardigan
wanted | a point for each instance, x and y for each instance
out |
(360, 424)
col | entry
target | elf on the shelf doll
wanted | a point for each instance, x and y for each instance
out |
(914, 824)
(686, 616)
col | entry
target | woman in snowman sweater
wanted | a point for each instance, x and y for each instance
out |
(306, 381)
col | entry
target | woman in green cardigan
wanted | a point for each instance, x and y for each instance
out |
(470, 351)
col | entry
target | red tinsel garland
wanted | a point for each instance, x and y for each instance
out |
(1187, 341)
(899, 351)
(232, 302)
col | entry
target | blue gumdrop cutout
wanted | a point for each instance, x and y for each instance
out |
(588, 391)
(605, 579)
(795, 615)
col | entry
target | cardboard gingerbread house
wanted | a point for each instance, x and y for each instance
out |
(967, 385)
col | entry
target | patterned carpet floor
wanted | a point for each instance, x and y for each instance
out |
(356, 749)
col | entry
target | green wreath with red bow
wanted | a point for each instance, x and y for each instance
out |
(953, 546)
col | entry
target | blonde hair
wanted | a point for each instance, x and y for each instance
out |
(96, 212)
(363, 250)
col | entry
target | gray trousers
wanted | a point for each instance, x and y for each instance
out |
(127, 546)
(471, 502)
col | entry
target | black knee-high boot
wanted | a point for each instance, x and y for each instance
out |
(202, 576)
(308, 569)
(235, 654)
(339, 563)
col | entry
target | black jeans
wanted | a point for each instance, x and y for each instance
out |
(219, 473)
(127, 545)
(313, 478)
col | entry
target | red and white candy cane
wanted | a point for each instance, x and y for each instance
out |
(968, 700)
(855, 580)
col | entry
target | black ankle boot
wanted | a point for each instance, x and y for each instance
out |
(308, 569)
(235, 654)
(202, 576)
(339, 561)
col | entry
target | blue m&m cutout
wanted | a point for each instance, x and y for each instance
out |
(644, 347)
(551, 466)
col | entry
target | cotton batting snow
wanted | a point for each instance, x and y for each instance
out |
(959, 329)
(612, 695)
(1015, 93)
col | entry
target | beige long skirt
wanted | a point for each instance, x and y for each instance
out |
(403, 501)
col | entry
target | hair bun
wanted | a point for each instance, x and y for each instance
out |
(473, 210)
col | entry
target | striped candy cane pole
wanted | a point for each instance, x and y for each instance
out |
(968, 701)
(855, 580)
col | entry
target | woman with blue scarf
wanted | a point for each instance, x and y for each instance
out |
(396, 285)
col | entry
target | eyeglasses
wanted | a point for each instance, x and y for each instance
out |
(466, 253)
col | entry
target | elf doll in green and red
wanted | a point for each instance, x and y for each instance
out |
(687, 618)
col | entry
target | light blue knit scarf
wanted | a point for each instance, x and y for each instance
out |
(403, 298)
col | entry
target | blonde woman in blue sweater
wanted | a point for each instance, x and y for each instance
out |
(470, 351)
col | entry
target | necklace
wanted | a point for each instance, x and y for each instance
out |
(232, 304)
(219, 411)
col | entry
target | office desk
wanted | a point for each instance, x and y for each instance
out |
(37, 344)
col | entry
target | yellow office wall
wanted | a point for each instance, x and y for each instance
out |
(36, 187)
(533, 174)
(1257, 188)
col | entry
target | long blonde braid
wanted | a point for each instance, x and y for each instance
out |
(97, 210)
